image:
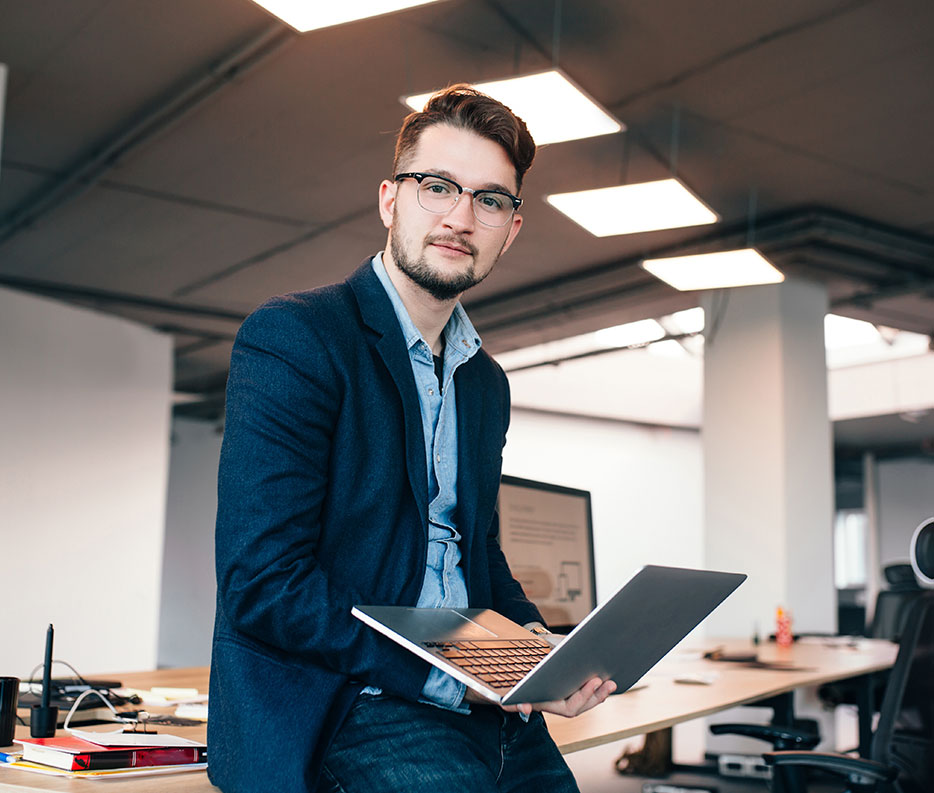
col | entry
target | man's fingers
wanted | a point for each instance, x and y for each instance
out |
(589, 695)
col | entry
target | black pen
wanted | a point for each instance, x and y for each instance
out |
(47, 672)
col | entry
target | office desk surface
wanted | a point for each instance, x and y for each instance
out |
(664, 702)
(12, 779)
(661, 704)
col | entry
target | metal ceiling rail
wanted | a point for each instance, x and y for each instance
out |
(90, 169)
(902, 261)
(100, 297)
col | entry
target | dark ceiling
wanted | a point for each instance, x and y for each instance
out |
(178, 161)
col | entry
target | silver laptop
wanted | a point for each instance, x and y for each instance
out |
(621, 639)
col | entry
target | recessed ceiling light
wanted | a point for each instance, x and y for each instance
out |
(848, 332)
(634, 208)
(304, 15)
(553, 108)
(720, 270)
(639, 332)
(668, 349)
(690, 320)
(632, 333)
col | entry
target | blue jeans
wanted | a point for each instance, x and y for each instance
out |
(389, 745)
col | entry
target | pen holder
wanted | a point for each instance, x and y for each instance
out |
(42, 721)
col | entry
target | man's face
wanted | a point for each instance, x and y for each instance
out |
(446, 254)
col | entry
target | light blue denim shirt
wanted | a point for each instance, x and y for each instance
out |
(444, 584)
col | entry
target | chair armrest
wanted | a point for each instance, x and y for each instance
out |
(855, 768)
(779, 737)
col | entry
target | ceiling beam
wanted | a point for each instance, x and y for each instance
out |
(898, 256)
(100, 297)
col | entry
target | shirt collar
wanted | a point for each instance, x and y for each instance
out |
(459, 332)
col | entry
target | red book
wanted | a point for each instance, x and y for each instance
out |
(73, 754)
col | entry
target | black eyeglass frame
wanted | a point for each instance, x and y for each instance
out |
(419, 176)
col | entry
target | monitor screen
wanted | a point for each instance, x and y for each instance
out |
(546, 533)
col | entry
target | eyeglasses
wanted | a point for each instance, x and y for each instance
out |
(439, 194)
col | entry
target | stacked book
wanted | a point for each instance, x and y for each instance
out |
(132, 754)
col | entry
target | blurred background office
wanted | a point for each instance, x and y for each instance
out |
(166, 166)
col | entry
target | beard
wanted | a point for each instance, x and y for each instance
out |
(440, 287)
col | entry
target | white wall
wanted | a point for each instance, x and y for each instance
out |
(906, 497)
(645, 484)
(188, 581)
(876, 389)
(628, 385)
(84, 430)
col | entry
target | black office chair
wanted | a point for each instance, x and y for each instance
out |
(893, 604)
(888, 621)
(902, 756)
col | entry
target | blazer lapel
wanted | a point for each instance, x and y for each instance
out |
(378, 314)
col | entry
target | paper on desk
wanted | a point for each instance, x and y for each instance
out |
(164, 697)
(831, 641)
(194, 710)
(133, 738)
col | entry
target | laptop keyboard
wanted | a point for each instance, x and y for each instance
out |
(501, 663)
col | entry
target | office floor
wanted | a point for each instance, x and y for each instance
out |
(595, 772)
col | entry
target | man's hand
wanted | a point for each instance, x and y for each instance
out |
(589, 695)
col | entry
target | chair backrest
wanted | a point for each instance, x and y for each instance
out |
(899, 575)
(904, 737)
(892, 607)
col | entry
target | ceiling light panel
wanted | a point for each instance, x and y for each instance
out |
(690, 320)
(553, 107)
(639, 332)
(720, 270)
(304, 15)
(634, 208)
(847, 332)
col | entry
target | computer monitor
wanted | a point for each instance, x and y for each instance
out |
(546, 534)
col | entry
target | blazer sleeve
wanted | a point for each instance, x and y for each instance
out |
(283, 398)
(508, 596)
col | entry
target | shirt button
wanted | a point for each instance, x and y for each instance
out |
(431, 392)
(438, 458)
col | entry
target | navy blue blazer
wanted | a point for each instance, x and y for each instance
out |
(323, 504)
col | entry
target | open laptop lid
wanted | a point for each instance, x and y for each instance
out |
(621, 639)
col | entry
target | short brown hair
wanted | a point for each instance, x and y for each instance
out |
(466, 108)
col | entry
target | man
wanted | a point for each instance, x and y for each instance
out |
(361, 464)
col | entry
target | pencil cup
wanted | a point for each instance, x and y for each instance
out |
(42, 721)
(9, 694)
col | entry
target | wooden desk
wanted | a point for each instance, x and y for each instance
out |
(12, 779)
(665, 703)
(662, 704)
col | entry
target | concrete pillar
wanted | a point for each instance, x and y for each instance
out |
(768, 464)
